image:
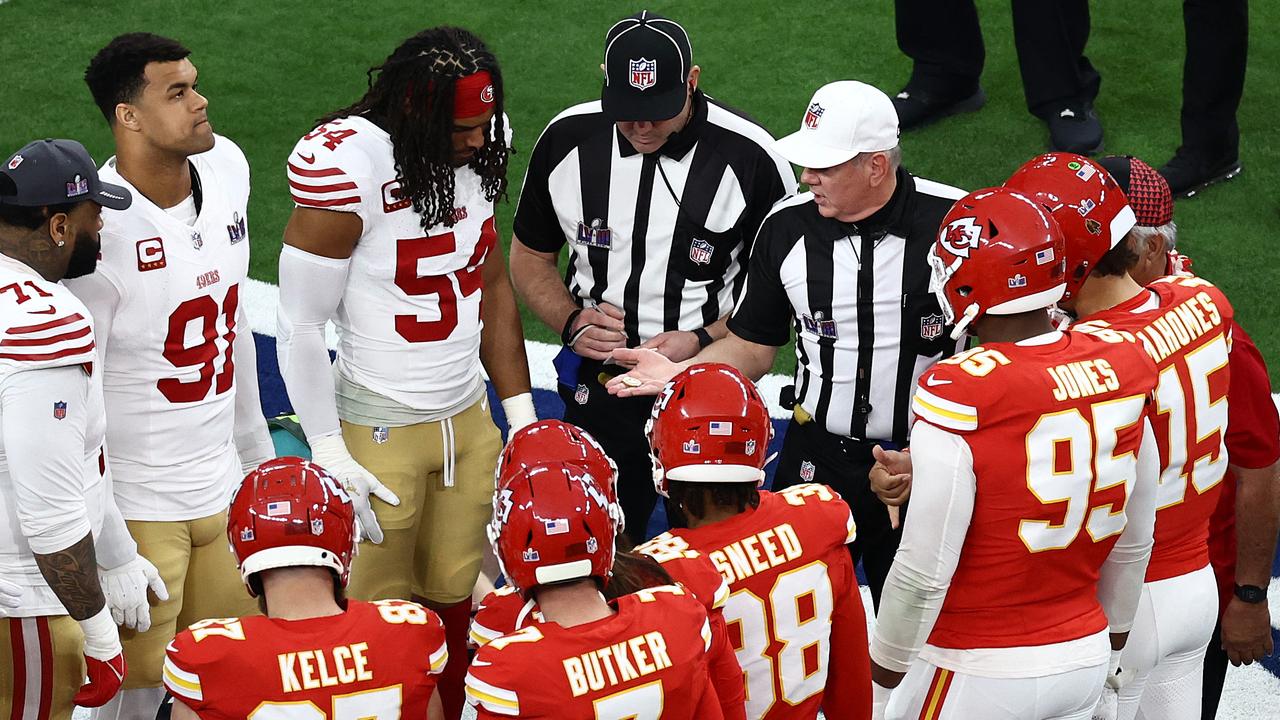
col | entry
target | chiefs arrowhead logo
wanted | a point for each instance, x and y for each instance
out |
(961, 236)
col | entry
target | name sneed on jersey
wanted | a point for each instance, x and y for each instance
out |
(618, 663)
(311, 669)
(757, 553)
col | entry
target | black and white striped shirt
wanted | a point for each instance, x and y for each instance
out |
(805, 273)
(663, 236)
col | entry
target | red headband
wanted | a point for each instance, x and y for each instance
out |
(473, 95)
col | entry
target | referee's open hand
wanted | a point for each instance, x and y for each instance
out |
(650, 371)
(602, 334)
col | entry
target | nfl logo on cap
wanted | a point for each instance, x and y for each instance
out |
(644, 73)
(813, 115)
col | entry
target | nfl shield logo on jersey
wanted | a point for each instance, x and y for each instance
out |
(931, 326)
(381, 435)
(700, 251)
(644, 73)
(59, 410)
(581, 395)
(813, 115)
(196, 241)
(806, 471)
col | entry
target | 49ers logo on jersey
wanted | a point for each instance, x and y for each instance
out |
(393, 198)
(961, 236)
(150, 254)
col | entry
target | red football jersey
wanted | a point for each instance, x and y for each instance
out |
(377, 659)
(1054, 430)
(1253, 441)
(1184, 323)
(504, 610)
(794, 611)
(649, 660)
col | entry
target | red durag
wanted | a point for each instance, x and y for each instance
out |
(473, 95)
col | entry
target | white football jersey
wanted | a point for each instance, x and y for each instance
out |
(409, 321)
(43, 326)
(169, 376)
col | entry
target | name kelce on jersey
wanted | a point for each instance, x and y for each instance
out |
(309, 669)
(617, 663)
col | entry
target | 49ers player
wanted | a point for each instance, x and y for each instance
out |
(653, 564)
(641, 655)
(179, 368)
(1031, 508)
(1184, 324)
(393, 237)
(794, 611)
(292, 529)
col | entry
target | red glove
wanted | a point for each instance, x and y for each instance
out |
(105, 679)
(104, 658)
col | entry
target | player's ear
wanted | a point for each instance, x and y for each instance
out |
(59, 229)
(127, 117)
(694, 72)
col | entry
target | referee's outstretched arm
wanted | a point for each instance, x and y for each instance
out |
(650, 370)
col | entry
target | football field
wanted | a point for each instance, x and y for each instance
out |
(271, 68)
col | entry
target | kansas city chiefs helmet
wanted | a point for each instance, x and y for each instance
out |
(999, 253)
(554, 440)
(290, 512)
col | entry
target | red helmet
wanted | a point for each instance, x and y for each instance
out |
(290, 512)
(1090, 208)
(709, 424)
(554, 440)
(551, 524)
(998, 252)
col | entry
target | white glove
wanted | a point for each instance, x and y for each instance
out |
(10, 595)
(330, 453)
(1118, 677)
(1108, 707)
(125, 588)
(519, 411)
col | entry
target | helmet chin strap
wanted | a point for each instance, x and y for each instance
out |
(970, 313)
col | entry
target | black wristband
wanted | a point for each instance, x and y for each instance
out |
(566, 332)
(1251, 594)
(704, 338)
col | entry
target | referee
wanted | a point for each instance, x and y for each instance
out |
(657, 190)
(845, 265)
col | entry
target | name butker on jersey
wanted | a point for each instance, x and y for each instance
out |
(376, 660)
(1054, 468)
(168, 368)
(649, 660)
(1184, 324)
(409, 320)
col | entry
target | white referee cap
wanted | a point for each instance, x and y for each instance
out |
(843, 119)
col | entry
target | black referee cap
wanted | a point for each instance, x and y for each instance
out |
(647, 59)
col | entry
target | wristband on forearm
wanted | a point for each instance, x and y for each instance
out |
(566, 332)
(704, 338)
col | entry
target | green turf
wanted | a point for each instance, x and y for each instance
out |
(270, 68)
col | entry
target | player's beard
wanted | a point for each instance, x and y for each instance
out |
(84, 256)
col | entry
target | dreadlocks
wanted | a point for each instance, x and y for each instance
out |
(691, 498)
(411, 96)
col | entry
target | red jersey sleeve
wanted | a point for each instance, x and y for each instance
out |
(498, 614)
(726, 673)
(949, 394)
(688, 567)
(1253, 426)
(194, 665)
(825, 514)
(848, 690)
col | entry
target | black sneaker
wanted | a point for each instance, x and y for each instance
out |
(917, 108)
(1075, 129)
(1188, 173)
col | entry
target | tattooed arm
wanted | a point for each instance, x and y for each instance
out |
(72, 574)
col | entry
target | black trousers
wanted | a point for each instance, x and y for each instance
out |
(1215, 675)
(944, 40)
(618, 425)
(1213, 75)
(843, 464)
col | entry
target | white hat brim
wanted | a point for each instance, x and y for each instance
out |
(799, 148)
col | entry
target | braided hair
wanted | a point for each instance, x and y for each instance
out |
(411, 96)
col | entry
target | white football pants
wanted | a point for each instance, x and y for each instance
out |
(931, 693)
